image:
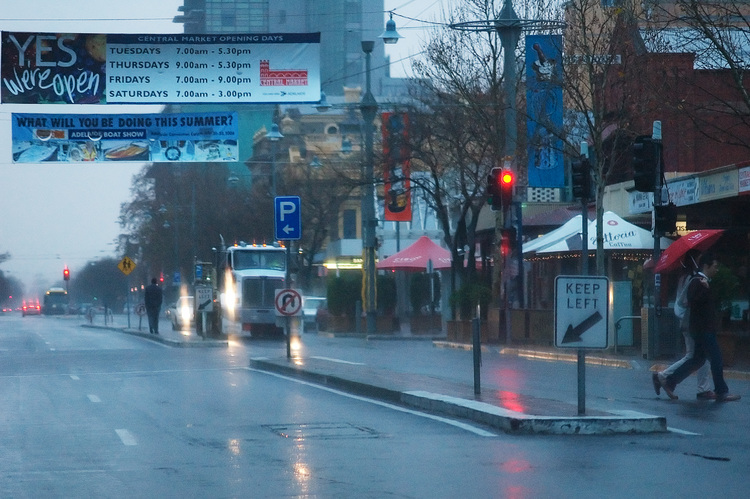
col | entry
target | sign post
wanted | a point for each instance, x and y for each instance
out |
(581, 319)
(204, 301)
(287, 226)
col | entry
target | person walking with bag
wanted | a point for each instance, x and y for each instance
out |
(702, 328)
(152, 300)
(682, 312)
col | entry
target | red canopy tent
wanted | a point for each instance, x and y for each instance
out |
(415, 257)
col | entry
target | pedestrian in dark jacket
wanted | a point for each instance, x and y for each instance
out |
(153, 299)
(702, 327)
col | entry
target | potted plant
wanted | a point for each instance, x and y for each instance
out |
(466, 300)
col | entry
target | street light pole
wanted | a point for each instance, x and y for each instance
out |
(369, 108)
(274, 136)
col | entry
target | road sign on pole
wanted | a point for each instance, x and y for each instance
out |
(581, 311)
(288, 302)
(287, 218)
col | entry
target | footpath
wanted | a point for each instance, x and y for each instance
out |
(448, 395)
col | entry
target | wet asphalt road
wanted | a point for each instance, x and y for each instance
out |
(92, 413)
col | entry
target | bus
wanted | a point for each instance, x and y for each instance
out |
(249, 276)
(55, 302)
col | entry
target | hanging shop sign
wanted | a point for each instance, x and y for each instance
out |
(48, 68)
(185, 137)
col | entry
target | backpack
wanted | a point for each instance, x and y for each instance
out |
(681, 307)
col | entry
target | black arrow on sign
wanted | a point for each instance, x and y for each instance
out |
(573, 334)
(287, 300)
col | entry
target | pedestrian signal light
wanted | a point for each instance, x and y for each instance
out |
(66, 274)
(580, 173)
(646, 154)
(665, 218)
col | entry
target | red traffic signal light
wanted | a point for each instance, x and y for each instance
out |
(66, 274)
(507, 182)
(506, 178)
(500, 184)
(507, 238)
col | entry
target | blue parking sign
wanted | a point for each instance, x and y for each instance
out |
(287, 218)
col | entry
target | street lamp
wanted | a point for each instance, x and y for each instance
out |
(369, 107)
(509, 28)
(274, 136)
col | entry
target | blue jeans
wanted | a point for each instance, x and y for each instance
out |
(706, 347)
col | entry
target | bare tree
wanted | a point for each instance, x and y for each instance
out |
(718, 33)
(600, 99)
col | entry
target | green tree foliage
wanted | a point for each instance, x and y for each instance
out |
(100, 282)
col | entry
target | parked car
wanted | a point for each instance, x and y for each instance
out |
(310, 306)
(181, 313)
(31, 307)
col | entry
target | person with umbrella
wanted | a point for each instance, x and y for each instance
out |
(702, 327)
(682, 312)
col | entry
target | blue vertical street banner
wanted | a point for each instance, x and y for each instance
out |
(72, 138)
(544, 108)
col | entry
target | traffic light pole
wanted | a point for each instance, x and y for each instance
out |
(584, 265)
(656, 138)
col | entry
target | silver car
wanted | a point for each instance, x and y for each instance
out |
(181, 313)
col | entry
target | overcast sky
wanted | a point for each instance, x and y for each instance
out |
(52, 215)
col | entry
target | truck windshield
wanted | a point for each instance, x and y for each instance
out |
(258, 259)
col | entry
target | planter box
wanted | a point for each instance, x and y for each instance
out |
(341, 324)
(422, 324)
(460, 331)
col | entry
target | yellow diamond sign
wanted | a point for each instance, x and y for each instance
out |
(126, 265)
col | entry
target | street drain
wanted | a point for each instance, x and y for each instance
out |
(321, 431)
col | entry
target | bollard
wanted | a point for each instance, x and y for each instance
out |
(475, 330)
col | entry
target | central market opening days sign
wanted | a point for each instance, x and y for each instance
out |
(59, 68)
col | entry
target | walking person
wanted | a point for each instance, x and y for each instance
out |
(682, 312)
(153, 299)
(702, 328)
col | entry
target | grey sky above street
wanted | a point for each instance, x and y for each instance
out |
(53, 215)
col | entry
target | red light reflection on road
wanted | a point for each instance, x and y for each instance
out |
(508, 378)
(510, 401)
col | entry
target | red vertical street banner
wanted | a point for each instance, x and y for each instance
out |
(396, 154)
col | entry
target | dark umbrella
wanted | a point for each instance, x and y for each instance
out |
(699, 240)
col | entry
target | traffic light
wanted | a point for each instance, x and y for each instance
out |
(500, 184)
(645, 162)
(507, 236)
(580, 172)
(66, 274)
(507, 181)
(665, 218)
(493, 190)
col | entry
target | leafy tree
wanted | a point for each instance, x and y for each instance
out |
(100, 282)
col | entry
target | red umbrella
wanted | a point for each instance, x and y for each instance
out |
(415, 257)
(699, 240)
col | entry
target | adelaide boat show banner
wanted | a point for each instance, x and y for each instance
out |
(48, 68)
(185, 137)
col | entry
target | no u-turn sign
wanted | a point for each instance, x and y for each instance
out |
(581, 311)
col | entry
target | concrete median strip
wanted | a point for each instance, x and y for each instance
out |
(613, 422)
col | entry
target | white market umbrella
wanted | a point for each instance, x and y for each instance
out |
(619, 234)
(569, 228)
